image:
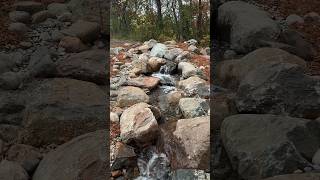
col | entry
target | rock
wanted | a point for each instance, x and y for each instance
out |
(316, 158)
(89, 10)
(158, 50)
(194, 49)
(304, 176)
(12, 171)
(141, 64)
(85, 30)
(192, 42)
(169, 68)
(187, 69)
(9, 133)
(11, 80)
(264, 90)
(294, 19)
(27, 156)
(300, 46)
(223, 105)
(8, 61)
(41, 64)
(86, 66)
(173, 53)
(25, 45)
(116, 50)
(40, 16)
(19, 16)
(229, 54)
(190, 174)
(138, 124)
(67, 108)
(84, 157)
(114, 117)
(144, 82)
(65, 17)
(28, 6)
(57, 9)
(282, 151)
(183, 56)
(154, 63)
(247, 25)
(312, 17)
(193, 85)
(231, 72)
(150, 43)
(125, 157)
(193, 107)
(19, 28)
(130, 95)
(45, 36)
(193, 137)
(56, 36)
(72, 44)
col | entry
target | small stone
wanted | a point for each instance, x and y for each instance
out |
(114, 117)
(293, 19)
(25, 45)
(19, 16)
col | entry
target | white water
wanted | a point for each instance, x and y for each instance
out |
(156, 168)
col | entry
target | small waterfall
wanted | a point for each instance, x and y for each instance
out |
(168, 81)
(153, 166)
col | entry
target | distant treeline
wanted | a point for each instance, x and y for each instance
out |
(161, 19)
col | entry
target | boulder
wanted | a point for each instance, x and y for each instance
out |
(193, 107)
(28, 6)
(72, 44)
(231, 72)
(304, 176)
(193, 136)
(154, 63)
(41, 64)
(187, 69)
(27, 156)
(138, 124)
(287, 142)
(279, 89)
(130, 95)
(158, 50)
(245, 25)
(195, 86)
(85, 30)
(125, 157)
(12, 171)
(316, 158)
(40, 16)
(67, 108)
(173, 53)
(19, 16)
(141, 63)
(11, 80)
(18, 28)
(294, 19)
(9, 61)
(143, 82)
(57, 9)
(86, 66)
(84, 157)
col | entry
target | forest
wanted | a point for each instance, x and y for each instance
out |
(161, 19)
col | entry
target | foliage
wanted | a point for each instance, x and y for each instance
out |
(173, 20)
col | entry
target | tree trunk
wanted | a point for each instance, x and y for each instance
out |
(199, 21)
(159, 14)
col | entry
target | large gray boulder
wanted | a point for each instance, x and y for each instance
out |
(245, 25)
(86, 66)
(85, 30)
(261, 146)
(158, 50)
(12, 171)
(130, 95)
(84, 157)
(59, 109)
(280, 89)
(231, 72)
